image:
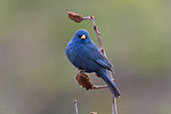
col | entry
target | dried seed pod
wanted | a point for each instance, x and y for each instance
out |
(75, 17)
(84, 81)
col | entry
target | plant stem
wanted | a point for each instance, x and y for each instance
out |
(75, 107)
(91, 18)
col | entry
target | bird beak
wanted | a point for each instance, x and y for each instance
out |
(83, 37)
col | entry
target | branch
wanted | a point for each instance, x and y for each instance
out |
(91, 18)
(78, 18)
(100, 86)
(114, 106)
(75, 107)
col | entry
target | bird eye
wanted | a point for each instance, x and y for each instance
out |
(79, 36)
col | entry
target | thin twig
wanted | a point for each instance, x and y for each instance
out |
(75, 107)
(100, 86)
(114, 106)
(91, 18)
(101, 47)
(78, 18)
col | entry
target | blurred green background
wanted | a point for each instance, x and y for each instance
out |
(36, 78)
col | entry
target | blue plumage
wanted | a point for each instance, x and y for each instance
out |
(86, 56)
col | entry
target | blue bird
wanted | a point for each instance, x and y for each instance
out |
(83, 53)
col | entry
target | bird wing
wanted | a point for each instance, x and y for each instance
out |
(95, 54)
(104, 63)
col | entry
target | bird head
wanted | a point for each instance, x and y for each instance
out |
(81, 36)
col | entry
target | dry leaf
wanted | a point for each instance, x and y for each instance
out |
(75, 17)
(84, 81)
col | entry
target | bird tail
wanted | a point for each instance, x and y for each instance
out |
(112, 86)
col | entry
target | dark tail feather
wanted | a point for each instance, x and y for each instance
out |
(112, 86)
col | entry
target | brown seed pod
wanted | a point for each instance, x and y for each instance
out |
(75, 17)
(84, 81)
